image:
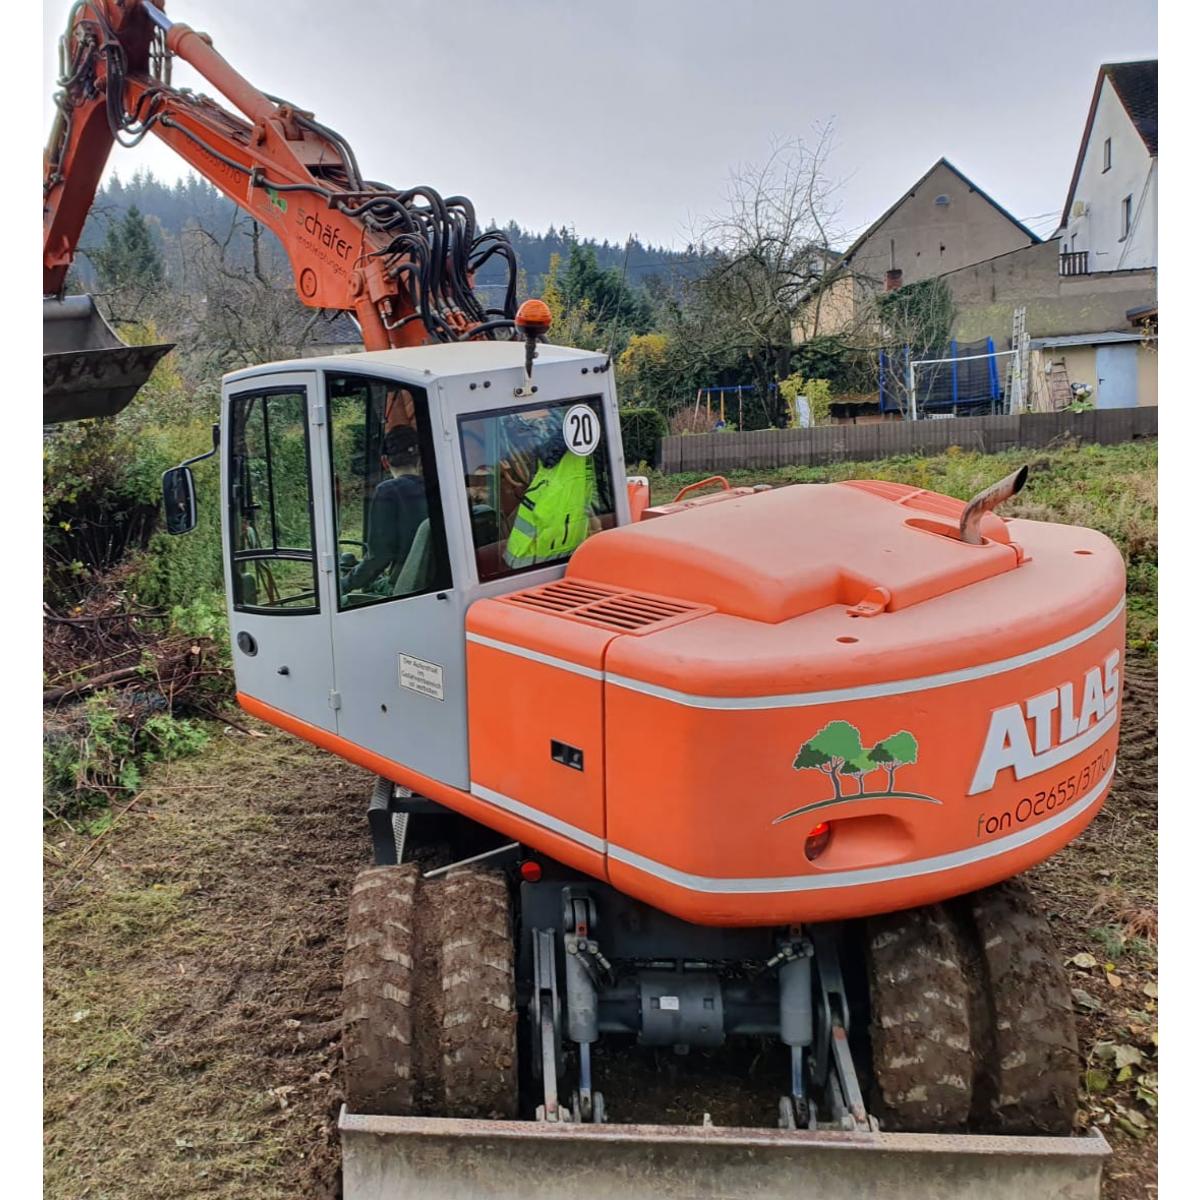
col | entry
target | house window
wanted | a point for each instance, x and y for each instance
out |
(1126, 216)
(1107, 153)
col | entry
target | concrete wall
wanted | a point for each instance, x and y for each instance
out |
(1132, 173)
(763, 448)
(986, 293)
(923, 239)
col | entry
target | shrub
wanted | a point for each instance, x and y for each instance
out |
(94, 752)
(816, 391)
(644, 374)
(101, 495)
(691, 420)
(640, 430)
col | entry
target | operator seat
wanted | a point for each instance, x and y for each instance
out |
(418, 564)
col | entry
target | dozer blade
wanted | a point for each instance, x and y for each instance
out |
(87, 371)
(394, 1158)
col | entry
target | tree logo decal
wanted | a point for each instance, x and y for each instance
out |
(838, 751)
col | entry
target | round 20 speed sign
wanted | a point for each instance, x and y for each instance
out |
(581, 430)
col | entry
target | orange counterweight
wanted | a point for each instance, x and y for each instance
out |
(960, 734)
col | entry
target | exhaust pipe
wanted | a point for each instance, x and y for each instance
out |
(985, 501)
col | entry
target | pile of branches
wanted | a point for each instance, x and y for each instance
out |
(109, 642)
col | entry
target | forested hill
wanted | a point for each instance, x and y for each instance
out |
(170, 208)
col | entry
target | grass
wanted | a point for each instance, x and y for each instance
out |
(1110, 488)
(192, 978)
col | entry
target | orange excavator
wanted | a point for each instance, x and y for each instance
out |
(749, 773)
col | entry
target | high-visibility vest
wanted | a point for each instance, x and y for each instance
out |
(552, 518)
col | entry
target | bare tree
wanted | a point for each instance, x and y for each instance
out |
(772, 244)
(240, 309)
(904, 326)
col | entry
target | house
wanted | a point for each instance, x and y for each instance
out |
(1090, 293)
(319, 333)
(943, 222)
(1110, 220)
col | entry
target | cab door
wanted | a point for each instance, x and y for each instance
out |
(278, 614)
(397, 620)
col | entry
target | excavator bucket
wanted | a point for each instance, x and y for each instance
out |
(87, 371)
(398, 1158)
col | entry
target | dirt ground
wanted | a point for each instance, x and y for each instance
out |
(193, 976)
(193, 957)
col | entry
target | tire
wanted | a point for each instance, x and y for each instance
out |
(1030, 1074)
(377, 991)
(478, 1003)
(920, 1022)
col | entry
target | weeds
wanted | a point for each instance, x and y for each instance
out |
(96, 751)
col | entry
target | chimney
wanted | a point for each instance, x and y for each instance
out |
(893, 279)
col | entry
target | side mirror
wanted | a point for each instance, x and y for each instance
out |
(179, 499)
(179, 490)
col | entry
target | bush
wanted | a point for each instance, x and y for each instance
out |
(94, 752)
(640, 430)
(691, 420)
(644, 373)
(816, 391)
(101, 496)
(105, 551)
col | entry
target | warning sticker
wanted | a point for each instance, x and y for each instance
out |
(420, 676)
(668, 1003)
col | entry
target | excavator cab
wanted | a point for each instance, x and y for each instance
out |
(87, 370)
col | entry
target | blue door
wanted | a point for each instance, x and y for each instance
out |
(1116, 375)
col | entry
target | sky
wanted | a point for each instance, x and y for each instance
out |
(617, 117)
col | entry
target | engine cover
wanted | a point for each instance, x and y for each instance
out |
(701, 692)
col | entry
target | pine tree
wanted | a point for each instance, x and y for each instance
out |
(128, 258)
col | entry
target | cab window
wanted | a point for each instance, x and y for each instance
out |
(537, 481)
(387, 511)
(270, 503)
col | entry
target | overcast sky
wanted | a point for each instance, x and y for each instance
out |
(619, 117)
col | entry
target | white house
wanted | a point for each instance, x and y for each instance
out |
(1110, 222)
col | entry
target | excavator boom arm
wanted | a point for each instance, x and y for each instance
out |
(402, 262)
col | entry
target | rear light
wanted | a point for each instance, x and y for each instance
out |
(530, 871)
(817, 840)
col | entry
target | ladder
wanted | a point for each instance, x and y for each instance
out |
(1018, 365)
(1061, 395)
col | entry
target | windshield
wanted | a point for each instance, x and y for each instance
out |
(538, 483)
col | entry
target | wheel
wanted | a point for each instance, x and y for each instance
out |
(377, 991)
(920, 1022)
(478, 1003)
(1031, 1066)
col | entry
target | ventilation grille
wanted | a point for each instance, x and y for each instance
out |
(606, 607)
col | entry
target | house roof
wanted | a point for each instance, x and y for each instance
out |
(337, 329)
(1136, 86)
(1108, 338)
(941, 162)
